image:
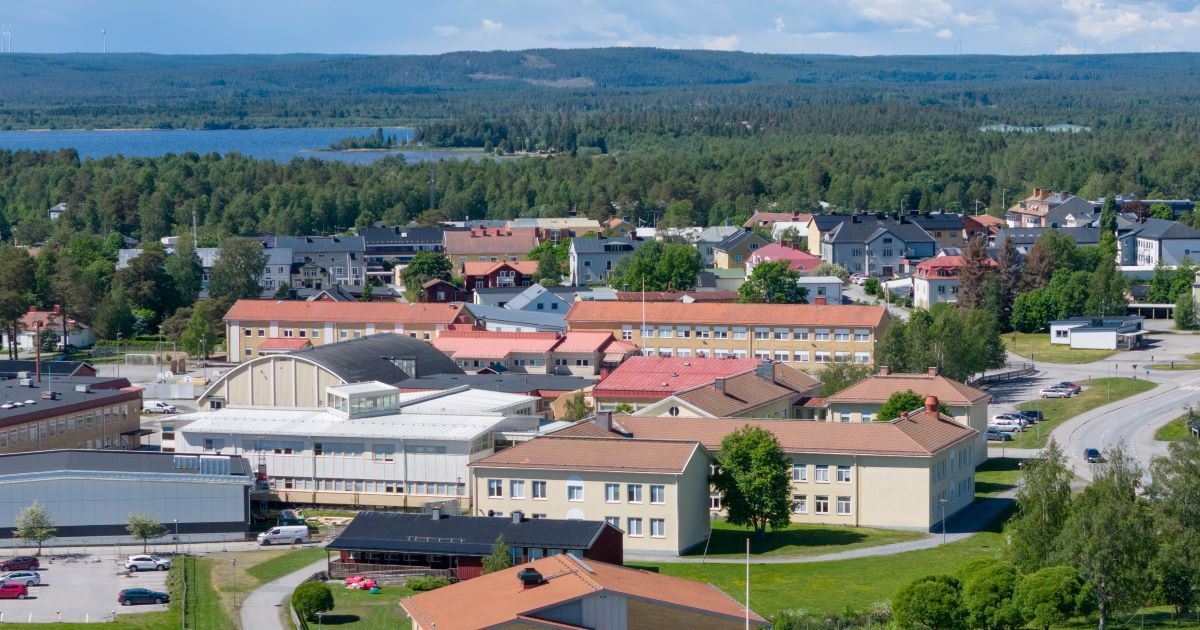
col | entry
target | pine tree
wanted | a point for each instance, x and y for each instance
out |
(1008, 279)
(973, 275)
(1038, 269)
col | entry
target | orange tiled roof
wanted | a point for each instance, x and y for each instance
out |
(284, 343)
(878, 388)
(675, 296)
(490, 241)
(773, 217)
(525, 268)
(659, 377)
(584, 341)
(566, 579)
(595, 453)
(486, 344)
(709, 313)
(343, 312)
(49, 320)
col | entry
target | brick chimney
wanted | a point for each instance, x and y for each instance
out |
(931, 404)
(765, 370)
(933, 370)
(719, 384)
(884, 370)
(604, 420)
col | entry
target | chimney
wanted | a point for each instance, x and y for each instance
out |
(57, 309)
(604, 420)
(719, 384)
(436, 513)
(518, 516)
(765, 370)
(32, 308)
(904, 415)
(933, 370)
(884, 370)
(931, 404)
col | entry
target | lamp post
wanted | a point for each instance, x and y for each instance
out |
(233, 561)
(943, 502)
(176, 535)
(319, 616)
(118, 354)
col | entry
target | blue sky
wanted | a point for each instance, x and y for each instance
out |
(856, 27)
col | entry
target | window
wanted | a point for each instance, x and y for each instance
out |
(822, 475)
(780, 334)
(739, 333)
(841, 335)
(248, 332)
(615, 521)
(762, 334)
(574, 491)
(612, 492)
(800, 503)
(862, 336)
(843, 474)
(658, 528)
(539, 490)
(516, 489)
(626, 334)
(720, 333)
(800, 334)
(841, 357)
(821, 335)
(822, 505)
(683, 332)
(822, 357)
(673, 411)
(633, 527)
(380, 453)
(800, 357)
(714, 500)
(799, 472)
(862, 358)
(495, 488)
(658, 494)
(647, 333)
(843, 505)
(665, 332)
(782, 356)
(634, 492)
(702, 332)
(737, 259)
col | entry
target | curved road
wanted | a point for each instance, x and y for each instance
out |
(263, 606)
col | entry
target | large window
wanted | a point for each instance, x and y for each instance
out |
(658, 494)
(800, 503)
(539, 490)
(822, 473)
(383, 453)
(635, 492)
(658, 528)
(799, 472)
(843, 474)
(843, 505)
(822, 505)
(575, 491)
(633, 526)
(495, 488)
(612, 492)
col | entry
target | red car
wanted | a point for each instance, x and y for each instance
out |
(13, 591)
(20, 563)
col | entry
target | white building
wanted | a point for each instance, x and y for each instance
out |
(827, 288)
(1099, 333)
(370, 446)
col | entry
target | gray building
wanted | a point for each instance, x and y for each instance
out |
(343, 258)
(875, 245)
(1144, 243)
(593, 258)
(511, 320)
(399, 243)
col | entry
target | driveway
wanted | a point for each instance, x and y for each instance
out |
(82, 588)
(264, 605)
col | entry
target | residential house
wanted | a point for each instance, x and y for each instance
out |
(982, 226)
(619, 227)
(342, 258)
(936, 280)
(1100, 333)
(946, 228)
(806, 334)
(489, 245)
(802, 262)
(861, 402)
(582, 353)
(441, 292)
(564, 591)
(593, 258)
(1033, 210)
(250, 322)
(707, 239)
(770, 390)
(876, 245)
(501, 296)
(56, 211)
(819, 225)
(822, 289)
(768, 220)
(734, 251)
(33, 321)
(1074, 212)
(555, 228)
(537, 298)
(69, 412)
(399, 244)
(484, 275)
(1145, 242)
(456, 545)
(1024, 238)
(503, 319)
(720, 280)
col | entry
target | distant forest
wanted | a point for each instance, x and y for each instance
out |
(681, 137)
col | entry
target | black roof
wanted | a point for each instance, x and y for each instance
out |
(737, 238)
(401, 234)
(105, 461)
(376, 358)
(1028, 235)
(102, 391)
(596, 244)
(9, 367)
(461, 535)
(937, 220)
(507, 383)
(826, 222)
(861, 228)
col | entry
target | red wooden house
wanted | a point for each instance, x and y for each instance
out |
(491, 275)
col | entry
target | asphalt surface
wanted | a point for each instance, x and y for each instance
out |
(82, 588)
(264, 605)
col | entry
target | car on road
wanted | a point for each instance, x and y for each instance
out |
(1055, 392)
(28, 578)
(158, 406)
(1075, 389)
(996, 435)
(857, 278)
(20, 563)
(147, 563)
(13, 591)
(130, 596)
(1092, 456)
(1032, 415)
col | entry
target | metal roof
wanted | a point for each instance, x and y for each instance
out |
(305, 423)
(102, 391)
(543, 320)
(371, 358)
(513, 383)
(104, 461)
(461, 535)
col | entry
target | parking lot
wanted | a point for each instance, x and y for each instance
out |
(81, 589)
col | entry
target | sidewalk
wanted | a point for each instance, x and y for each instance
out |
(263, 606)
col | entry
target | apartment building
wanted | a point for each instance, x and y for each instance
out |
(936, 280)
(806, 335)
(69, 412)
(483, 244)
(861, 402)
(876, 245)
(338, 259)
(575, 353)
(251, 322)
(654, 491)
(592, 259)
(400, 243)
(645, 380)
(735, 250)
(946, 228)
(1046, 208)
(770, 390)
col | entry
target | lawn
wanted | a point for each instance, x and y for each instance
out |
(1174, 431)
(1099, 391)
(1192, 363)
(996, 475)
(798, 540)
(1037, 347)
(361, 610)
(285, 563)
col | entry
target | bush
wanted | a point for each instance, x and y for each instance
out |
(427, 583)
(871, 287)
(311, 598)
(933, 602)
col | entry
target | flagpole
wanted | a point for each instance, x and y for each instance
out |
(747, 584)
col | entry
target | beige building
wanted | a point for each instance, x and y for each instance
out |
(653, 490)
(73, 412)
(770, 390)
(805, 335)
(249, 323)
(861, 402)
(734, 251)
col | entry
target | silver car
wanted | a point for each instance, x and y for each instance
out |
(28, 578)
(147, 563)
(1055, 392)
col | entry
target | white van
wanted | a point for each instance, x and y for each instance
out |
(158, 406)
(284, 535)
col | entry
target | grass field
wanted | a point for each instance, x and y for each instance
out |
(1174, 431)
(1058, 409)
(798, 540)
(363, 611)
(282, 564)
(1037, 347)
(1192, 363)
(996, 475)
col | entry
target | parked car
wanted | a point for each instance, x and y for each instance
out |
(141, 596)
(20, 563)
(284, 534)
(158, 406)
(996, 435)
(1008, 416)
(1007, 425)
(13, 591)
(1032, 415)
(147, 563)
(1092, 456)
(1075, 389)
(1055, 392)
(28, 578)
(857, 278)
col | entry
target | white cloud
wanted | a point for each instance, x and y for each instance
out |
(779, 25)
(492, 26)
(721, 42)
(944, 33)
(446, 31)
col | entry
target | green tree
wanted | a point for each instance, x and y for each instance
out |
(1108, 214)
(1068, 293)
(842, 374)
(35, 525)
(186, 270)
(830, 269)
(16, 292)
(366, 292)
(1052, 595)
(575, 408)
(1110, 536)
(549, 269)
(1175, 491)
(283, 292)
(794, 239)
(236, 273)
(905, 401)
(1032, 311)
(49, 338)
(1007, 280)
(773, 282)
(1062, 250)
(662, 266)
(1106, 290)
(1038, 267)
(754, 480)
(932, 602)
(145, 527)
(114, 316)
(1183, 279)
(1161, 211)
(974, 274)
(1043, 507)
(871, 286)
(499, 559)
(199, 338)
(426, 266)
(146, 283)
(310, 598)
(1161, 284)
(987, 595)
(1185, 312)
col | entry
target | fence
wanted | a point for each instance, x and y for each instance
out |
(385, 573)
(1014, 371)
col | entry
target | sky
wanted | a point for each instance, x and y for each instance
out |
(848, 27)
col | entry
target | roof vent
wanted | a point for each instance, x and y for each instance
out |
(83, 388)
(530, 578)
(518, 516)
(26, 382)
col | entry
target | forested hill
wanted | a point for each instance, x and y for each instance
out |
(124, 90)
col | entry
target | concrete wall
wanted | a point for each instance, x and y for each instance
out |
(1094, 339)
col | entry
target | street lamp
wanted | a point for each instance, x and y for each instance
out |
(176, 535)
(943, 502)
(233, 561)
(319, 616)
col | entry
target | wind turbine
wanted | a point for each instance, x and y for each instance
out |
(6, 33)
(103, 40)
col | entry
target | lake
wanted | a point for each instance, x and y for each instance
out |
(280, 145)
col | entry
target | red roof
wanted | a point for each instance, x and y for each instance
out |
(676, 296)
(944, 266)
(284, 343)
(798, 260)
(584, 341)
(487, 344)
(525, 268)
(710, 313)
(658, 377)
(490, 241)
(769, 218)
(48, 319)
(343, 312)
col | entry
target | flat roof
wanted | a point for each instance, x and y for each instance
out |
(465, 400)
(104, 391)
(308, 423)
(106, 461)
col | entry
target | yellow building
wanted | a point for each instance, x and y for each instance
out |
(735, 250)
(489, 244)
(74, 412)
(804, 335)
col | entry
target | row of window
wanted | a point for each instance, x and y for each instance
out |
(633, 526)
(612, 491)
(315, 333)
(379, 452)
(428, 488)
(821, 473)
(820, 505)
(85, 421)
(737, 332)
(782, 356)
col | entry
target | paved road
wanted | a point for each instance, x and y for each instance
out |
(263, 606)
